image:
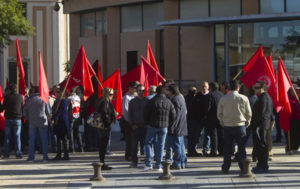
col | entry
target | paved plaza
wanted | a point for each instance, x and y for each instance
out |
(202, 172)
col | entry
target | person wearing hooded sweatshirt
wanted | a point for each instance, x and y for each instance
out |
(36, 112)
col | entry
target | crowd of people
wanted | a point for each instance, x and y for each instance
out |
(152, 124)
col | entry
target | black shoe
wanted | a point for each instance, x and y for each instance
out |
(65, 158)
(234, 160)
(57, 158)
(254, 159)
(277, 141)
(127, 158)
(224, 172)
(213, 155)
(205, 154)
(19, 156)
(173, 167)
(106, 167)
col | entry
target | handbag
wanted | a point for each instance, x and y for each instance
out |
(95, 120)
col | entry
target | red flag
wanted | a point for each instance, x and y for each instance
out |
(99, 78)
(259, 54)
(261, 71)
(80, 74)
(1, 95)
(284, 84)
(7, 83)
(132, 75)
(150, 57)
(154, 77)
(21, 76)
(114, 82)
(269, 58)
(43, 84)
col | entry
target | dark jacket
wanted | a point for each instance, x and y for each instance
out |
(13, 106)
(192, 108)
(214, 98)
(202, 102)
(136, 111)
(262, 112)
(179, 126)
(108, 115)
(159, 112)
(61, 125)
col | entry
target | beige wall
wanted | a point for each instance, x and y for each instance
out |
(196, 53)
(137, 41)
(80, 5)
(250, 6)
(23, 45)
(171, 40)
(74, 36)
(113, 41)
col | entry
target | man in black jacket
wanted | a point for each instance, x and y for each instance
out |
(262, 112)
(213, 122)
(159, 114)
(177, 130)
(13, 113)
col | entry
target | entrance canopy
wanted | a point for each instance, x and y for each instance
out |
(231, 19)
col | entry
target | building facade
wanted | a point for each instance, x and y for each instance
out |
(51, 38)
(193, 40)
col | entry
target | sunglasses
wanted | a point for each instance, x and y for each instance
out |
(141, 90)
(111, 94)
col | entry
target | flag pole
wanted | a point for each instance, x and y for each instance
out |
(17, 80)
(61, 96)
(237, 75)
(295, 93)
(99, 82)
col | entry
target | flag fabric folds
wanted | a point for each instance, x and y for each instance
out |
(43, 84)
(21, 76)
(114, 82)
(2, 119)
(81, 74)
(259, 54)
(150, 57)
(284, 84)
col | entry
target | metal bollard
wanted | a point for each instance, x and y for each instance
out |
(166, 171)
(97, 172)
(246, 172)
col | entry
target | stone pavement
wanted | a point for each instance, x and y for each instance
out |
(202, 172)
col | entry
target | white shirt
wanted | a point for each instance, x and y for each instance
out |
(125, 105)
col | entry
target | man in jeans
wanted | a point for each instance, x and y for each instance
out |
(36, 112)
(13, 113)
(159, 114)
(137, 121)
(234, 114)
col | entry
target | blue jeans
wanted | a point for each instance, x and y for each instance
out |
(232, 134)
(177, 145)
(156, 136)
(14, 125)
(43, 133)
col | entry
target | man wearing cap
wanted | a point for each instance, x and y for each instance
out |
(131, 94)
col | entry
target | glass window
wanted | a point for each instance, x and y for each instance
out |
(225, 8)
(220, 64)
(100, 22)
(277, 38)
(292, 5)
(193, 9)
(152, 13)
(87, 24)
(131, 18)
(271, 6)
(219, 33)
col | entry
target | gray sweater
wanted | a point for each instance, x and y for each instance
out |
(136, 111)
(36, 111)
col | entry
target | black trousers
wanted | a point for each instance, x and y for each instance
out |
(62, 141)
(128, 132)
(194, 130)
(260, 148)
(220, 139)
(103, 141)
(294, 135)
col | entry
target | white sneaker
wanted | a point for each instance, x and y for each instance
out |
(146, 168)
(158, 170)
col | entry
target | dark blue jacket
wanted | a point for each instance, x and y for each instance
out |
(61, 126)
(179, 125)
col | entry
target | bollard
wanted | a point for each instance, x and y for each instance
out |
(97, 172)
(166, 171)
(246, 172)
